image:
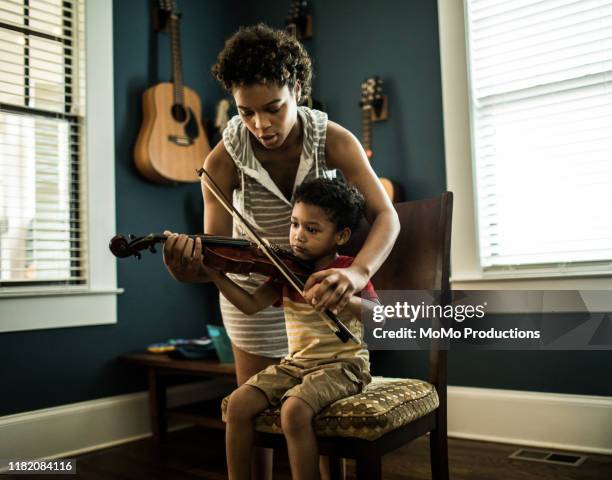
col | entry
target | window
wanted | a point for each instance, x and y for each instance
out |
(56, 137)
(42, 107)
(527, 104)
(541, 108)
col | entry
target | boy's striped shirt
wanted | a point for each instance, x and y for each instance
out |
(309, 337)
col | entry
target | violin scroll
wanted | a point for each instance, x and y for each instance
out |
(121, 248)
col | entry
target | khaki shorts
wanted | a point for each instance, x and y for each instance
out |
(319, 383)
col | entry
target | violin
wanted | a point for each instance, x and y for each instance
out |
(277, 265)
(225, 254)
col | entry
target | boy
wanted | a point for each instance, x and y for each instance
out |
(319, 368)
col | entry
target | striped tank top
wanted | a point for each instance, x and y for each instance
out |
(262, 203)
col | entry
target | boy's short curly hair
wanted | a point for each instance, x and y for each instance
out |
(343, 202)
(260, 54)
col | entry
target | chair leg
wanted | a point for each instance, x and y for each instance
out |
(438, 449)
(369, 468)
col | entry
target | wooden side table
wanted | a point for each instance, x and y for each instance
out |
(159, 367)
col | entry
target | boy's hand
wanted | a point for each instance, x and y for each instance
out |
(183, 258)
(333, 288)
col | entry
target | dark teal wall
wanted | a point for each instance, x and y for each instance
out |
(353, 39)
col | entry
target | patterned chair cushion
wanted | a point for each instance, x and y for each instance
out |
(384, 405)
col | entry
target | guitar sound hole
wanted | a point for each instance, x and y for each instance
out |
(191, 127)
(179, 113)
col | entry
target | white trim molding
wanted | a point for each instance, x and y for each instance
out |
(100, 144)
(577, 423)
(69, 430)
(465, 264)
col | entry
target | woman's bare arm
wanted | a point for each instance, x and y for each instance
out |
(343, 151)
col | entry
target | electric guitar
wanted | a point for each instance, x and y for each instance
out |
(299, 25)
(172, 142)
(299, 20)
(373, 106)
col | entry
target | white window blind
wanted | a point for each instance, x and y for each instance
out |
(541, 111)
(43, 235)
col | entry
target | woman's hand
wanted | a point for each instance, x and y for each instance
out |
(333, 288)
(183, 258)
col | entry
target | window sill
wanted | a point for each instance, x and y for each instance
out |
(558, 271)
(53, 292)
(566, 294)
(58, 310)
(543, 282)
(532, 276)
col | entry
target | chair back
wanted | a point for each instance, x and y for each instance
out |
(420, 260)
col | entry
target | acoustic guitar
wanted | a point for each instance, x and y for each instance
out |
(373, 106)
(172, 142)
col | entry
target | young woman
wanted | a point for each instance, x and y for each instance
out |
(271, 147)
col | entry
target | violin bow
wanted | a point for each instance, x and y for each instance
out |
(341, 331)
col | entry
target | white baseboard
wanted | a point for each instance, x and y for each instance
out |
(556, 421)
(69, 430)
(580, 423)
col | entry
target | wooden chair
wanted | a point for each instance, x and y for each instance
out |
(420, 260)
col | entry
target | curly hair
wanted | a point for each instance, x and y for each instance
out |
(260, 54)
(343, 202)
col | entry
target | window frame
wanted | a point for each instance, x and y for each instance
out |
(95, 303)
(467, 272)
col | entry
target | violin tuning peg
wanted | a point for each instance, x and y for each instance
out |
(138, 255)
(131, 236)
(152, 249)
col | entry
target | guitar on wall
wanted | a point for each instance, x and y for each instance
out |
(299, 25)
(172, 142)
(373, 106)
(299, 20)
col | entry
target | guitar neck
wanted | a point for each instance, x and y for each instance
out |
(366, 129)
(177, 73)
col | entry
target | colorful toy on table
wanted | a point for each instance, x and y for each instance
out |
(189, 348)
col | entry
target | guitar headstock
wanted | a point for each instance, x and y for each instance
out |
(168, 6)
(299, 20)
(122, 248)
(162, 12)
(372, 98)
